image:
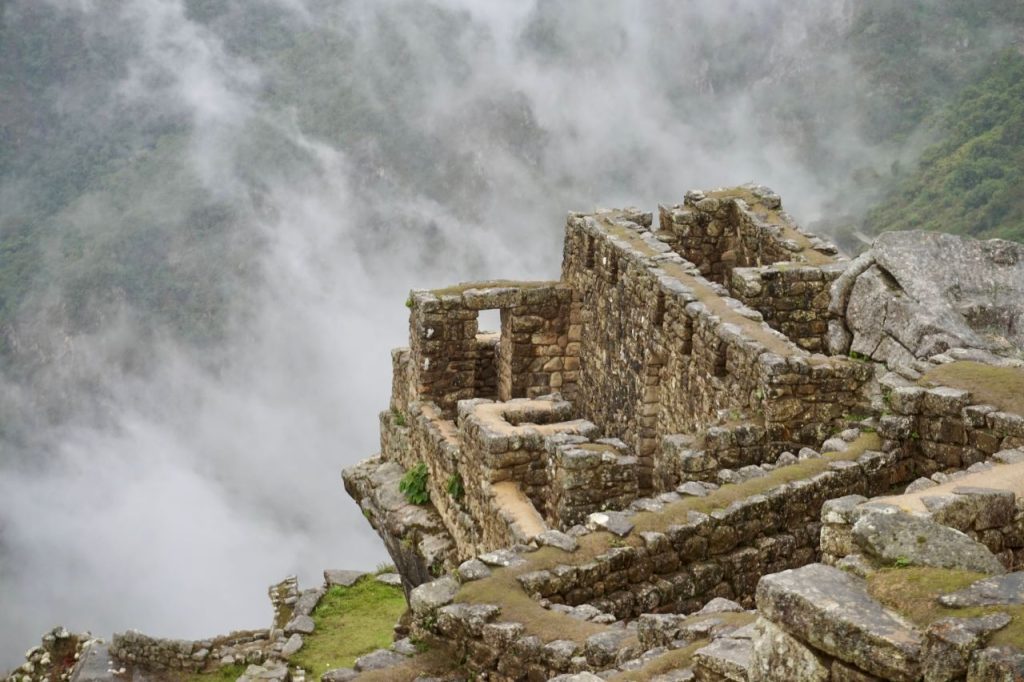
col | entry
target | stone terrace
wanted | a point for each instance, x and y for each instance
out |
(653, 433)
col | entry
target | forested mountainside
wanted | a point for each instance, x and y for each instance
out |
(972, 180)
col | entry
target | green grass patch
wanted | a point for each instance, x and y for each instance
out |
(913, 593)
(999, 386)
(228, 673)
(350, 622)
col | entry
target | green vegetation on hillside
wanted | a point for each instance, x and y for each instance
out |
(972, 181)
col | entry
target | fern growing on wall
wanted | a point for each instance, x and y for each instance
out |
(414, 484)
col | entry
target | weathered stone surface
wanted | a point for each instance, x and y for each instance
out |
(378, 660)
(973, 508)
(950, 642)
(473, 569)
(831, 611)
(613, 522)
(404, 646)
(308, 601)
(603, 648)
(720, 605)
(554, 538)
(725, 657)
(996, 664)
(928, 292)
(303, 625)
(292, 646)
(577, 677)
(390, 579)
(342, 578)
(679, 675)
(777, 655)
(844, 672)
(433, 595)
(502, 558)
(269, 673)
(1002, 590)
(894, 537)
(339, 675)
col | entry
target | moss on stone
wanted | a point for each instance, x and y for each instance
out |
(501, 588)
(999, 386)
(727, 494)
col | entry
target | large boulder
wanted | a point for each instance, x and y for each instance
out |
(918, 293)
(897, 538)
(832, 611)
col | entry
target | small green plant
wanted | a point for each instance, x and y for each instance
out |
(414, 484)
(901, 562)
(915, 435)
(397, 417)
(854, 355)
(408, 302)
(455, 487)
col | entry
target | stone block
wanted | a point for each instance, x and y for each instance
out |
(831, 611)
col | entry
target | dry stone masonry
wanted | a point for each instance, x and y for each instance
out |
(695, 457)
(714, 449)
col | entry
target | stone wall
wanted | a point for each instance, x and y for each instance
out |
(722, 554)
(154, 653)
(701, 457)
(450, 361)
(792, 298)
(744, 227)
(676, 569)
(664, 351)
(585, 477)
(497, 455)
(944, 428)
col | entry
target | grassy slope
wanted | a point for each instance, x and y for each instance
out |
(972, 181)
(1002, 387)
(912, 592)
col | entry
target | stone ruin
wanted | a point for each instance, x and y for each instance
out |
(715, 449)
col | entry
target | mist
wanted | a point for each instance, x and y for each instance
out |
(203, 343)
